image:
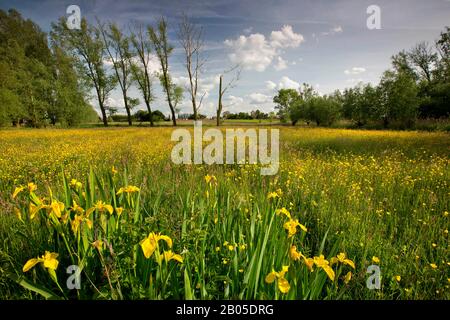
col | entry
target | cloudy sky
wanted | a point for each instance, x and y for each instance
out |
(278, 43)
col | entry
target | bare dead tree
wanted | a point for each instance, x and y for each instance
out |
(224, 88)
(191, 39)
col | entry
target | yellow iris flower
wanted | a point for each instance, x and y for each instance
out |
(348, 277)
(150, 243)
(291, 227)
(101, 207)
(169, 255)
(294, 254)
(282, 283)
(128, 189)
(283, 211)
(342, 258)
(17, 191)
(322, 263)
(210, 179)
(48, 259)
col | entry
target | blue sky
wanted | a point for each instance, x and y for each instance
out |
(278, 43)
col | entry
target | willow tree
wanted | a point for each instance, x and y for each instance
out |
(140, 66)
(163, 50)
(117, 45)
(88, 49)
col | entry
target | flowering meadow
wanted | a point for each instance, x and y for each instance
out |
(110, 204)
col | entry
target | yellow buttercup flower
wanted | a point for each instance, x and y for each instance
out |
(48, 259)
(375, 259)
(398, 278)
(150, 243)
(433, 265)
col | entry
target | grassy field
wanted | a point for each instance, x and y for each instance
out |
(139, 227)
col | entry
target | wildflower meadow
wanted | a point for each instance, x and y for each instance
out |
(105, 214)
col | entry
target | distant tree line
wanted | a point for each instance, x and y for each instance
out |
(50, 79)
(253, 115)
(417, 86)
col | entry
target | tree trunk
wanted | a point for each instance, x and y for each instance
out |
(219, 107)
(125, 101)
(104, 117)
(150, 114)
(174, 121)
(102, 107)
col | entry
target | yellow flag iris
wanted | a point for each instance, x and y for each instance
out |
(48, 259)
(150, 243)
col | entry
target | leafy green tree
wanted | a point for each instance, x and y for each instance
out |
(88, 50)
(117, 46)
(324, 110)
(163, 50)
(398, 99)
(286, 100)
(140, 67)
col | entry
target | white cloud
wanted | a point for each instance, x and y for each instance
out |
(286, 83)
(153, 65)
(270, 85)
(233, 101)
(255, 52)
(248, 30)
(205, 85)
(285, 38)
(252, 52)
(281, 64)
(355, 70)
(332, 31)
(113, 103)
(258, 98)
